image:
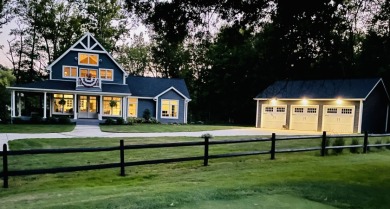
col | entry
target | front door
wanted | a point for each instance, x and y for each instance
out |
(88, 107)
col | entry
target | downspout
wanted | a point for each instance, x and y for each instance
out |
(156, 100)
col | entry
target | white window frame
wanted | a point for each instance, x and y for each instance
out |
(78, 58)
(63, 97)
(128, 107)
(63, 71)
(178, 107)
(105, 79)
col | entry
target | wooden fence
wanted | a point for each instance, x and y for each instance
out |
(5, 174)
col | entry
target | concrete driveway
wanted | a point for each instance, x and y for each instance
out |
(81, 131)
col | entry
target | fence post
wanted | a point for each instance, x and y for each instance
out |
(5, 166)
(273, 145)
(122, 157)
(206, 151)
(365, 143)
(323, 144)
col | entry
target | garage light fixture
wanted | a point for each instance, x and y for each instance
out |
(305, 101)
(273, 101)
(339, 101)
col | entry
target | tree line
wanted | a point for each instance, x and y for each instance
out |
(226, 50)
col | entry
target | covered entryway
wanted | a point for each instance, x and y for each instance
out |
(88, 107)
(304, 118)
(273, 116)
(338, 119)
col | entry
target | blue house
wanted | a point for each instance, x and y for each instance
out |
(87, 82)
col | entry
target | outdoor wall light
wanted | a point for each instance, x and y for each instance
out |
(273, 101)
(339, 101)
(305, 101)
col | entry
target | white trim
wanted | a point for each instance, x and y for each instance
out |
(51, 106)
(105, 69)
(141, 97)
(156, 108)
(313, 99)
(387, 118)
(75, 105)
(93, 46)
(50, 76)
(88, 54)
(124, 108)
(72, 48)
(100, 116)
(63, 71)
(257, 114)
(380, 81)
(360, 119)
(172, 88)
(178, 108)
(136, 107)
(19, 105)
(70, 91)
(44, 104)
(83, 45)
(88, 43)
(13, 104)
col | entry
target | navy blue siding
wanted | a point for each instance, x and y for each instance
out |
(70, 60)
(375, 110)
(144, 104)
(174, 96)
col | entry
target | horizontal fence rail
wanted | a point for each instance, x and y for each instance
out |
(205, 143)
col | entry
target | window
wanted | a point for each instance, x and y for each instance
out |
(69, 72)
(298, 110)
(311, 110)
(106, 74)
(346, 111)
(280, 109)
(331, 110)
(88, 59)
(84, 72)
(269, 109)
(133, 103)
(63, 103)
(109, 108)
(169, 108)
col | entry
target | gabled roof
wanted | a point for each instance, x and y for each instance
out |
(321, 89)
(70, 86)
(152, 87)
(88, 44)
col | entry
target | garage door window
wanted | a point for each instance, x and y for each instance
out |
(298, 110)
(331, 110)
(346, 111)
(311, 110)
(280, 109)
(269, 109)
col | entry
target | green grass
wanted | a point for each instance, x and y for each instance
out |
(35, 128)
(294, 180)
(153, 128)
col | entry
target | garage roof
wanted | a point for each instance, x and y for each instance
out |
(321, 89)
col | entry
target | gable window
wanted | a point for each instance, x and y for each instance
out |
(106, 74)
(63, 103)
(133, 103)
(88, 59)
(169, 108)
(84, 72)
(69, 72)
(109, 108)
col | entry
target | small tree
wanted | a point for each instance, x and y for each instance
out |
(146, 114)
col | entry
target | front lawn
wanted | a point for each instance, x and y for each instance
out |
(153, 128)
(293, 180)
(35, 128)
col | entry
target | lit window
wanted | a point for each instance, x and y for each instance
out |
(84, 72)
(106, 74)
(69, 72)
(133, 103)
(169, 108)
(112, 106)
(88, 59)
(63, 103)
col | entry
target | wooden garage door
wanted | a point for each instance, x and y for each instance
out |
(304, 118)
(338, 119)
(273, 116)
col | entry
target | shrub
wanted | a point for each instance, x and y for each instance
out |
(378, 141)
(64, 120)
(153, 121)
(17, 121)
(354, 149)
(120, 121)
(52, 120)
(146, 114)
(36, 119)
(109, 121)
(338, 142)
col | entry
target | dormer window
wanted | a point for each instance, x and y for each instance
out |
(69, 71)
(88, 59)
(106, 74)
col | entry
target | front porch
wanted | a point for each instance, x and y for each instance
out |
(72, 105)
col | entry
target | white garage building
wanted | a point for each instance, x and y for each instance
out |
(335, 106)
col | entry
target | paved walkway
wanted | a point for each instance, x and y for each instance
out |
(92, 130)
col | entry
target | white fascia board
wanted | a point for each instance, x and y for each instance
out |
(379, 81)
(141, 97)
(172, 88)
(68, 91)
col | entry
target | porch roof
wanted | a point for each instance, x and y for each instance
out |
(151, 87)
(60, 85)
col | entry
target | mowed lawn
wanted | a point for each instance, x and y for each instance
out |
(153, 128)
(293, 180)
(35, 128)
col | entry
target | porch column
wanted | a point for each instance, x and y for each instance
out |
(124, 111)
(50, 105)
(44, 105)
(100, 116)
(75, 106)
(19, 105)
(13, 104)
